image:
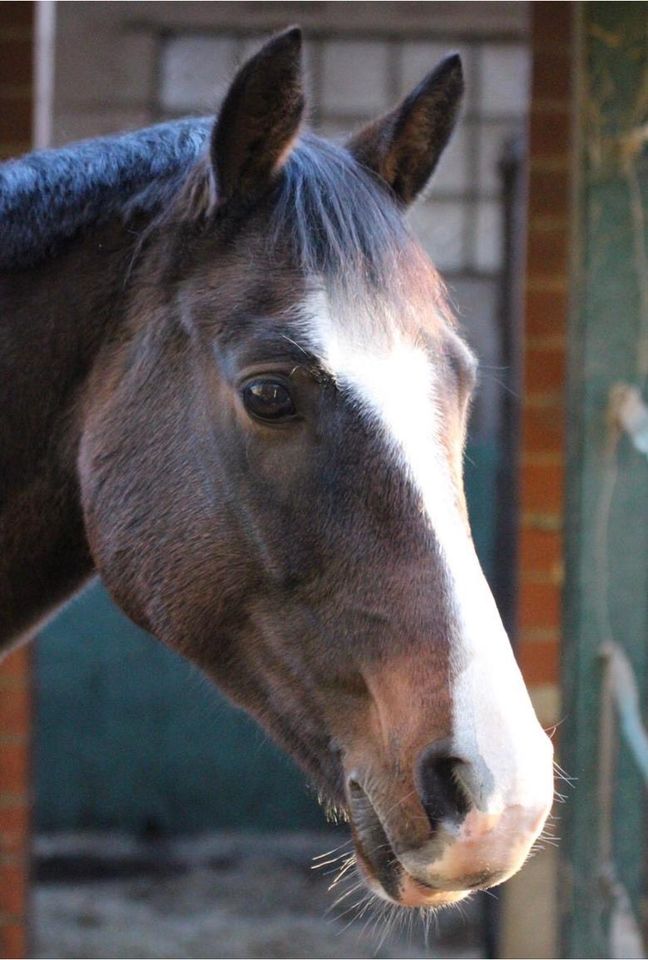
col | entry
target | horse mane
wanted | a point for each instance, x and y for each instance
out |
(340, 221)
(49, 196)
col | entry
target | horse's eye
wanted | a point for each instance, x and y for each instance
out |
(268, 400)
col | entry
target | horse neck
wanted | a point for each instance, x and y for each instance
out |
(55, 319)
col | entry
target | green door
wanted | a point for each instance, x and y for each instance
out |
(604, 847)
(131, 736)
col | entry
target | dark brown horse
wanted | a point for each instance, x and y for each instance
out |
(231, 386)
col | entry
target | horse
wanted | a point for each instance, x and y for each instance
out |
(232, 386)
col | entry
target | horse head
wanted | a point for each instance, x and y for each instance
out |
(271, 473)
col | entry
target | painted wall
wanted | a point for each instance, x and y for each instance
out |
(131, 736)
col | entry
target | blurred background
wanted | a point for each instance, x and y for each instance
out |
(143, 816)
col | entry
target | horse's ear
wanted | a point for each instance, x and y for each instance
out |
(403, 147)
(259, 119)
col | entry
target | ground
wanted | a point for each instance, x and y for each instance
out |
(226, 895)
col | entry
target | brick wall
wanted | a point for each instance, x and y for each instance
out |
(543, 418)
(15, 704)
(16, 74)
(529, 920)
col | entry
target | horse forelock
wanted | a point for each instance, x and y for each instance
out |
(349, 238)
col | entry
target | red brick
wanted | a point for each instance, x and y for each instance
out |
(15, 816)
(14, 767)
(543, 428)
(543, 413)
(13, 941)
(542, 488)
(13, 888)
(548, 194)
(549, 134)
(551, 23)
(540, 550)
(14, 843)
(545, 312)
(544, 370)
(547, 248)
(15, 712)
(539, 661)
(539, 606)
(16, 74)
(539, 635)
(17, 663)
(552, 75)
(14, 853)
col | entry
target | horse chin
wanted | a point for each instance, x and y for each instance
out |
(388, 880)
(380, 866)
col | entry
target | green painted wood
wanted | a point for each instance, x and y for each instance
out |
(130, 736)
(607, 587)
(480, 478)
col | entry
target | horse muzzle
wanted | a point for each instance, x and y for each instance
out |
(431, 842)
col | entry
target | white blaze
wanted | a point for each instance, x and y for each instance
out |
(495, 726)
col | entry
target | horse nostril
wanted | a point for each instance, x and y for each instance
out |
(441, 793)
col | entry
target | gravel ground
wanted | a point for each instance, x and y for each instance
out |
(225, 895)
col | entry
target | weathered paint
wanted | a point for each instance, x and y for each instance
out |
(607, 508)
(130, 736)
